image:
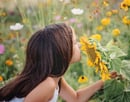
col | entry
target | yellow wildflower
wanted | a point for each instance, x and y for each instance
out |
(116, 32)
(114, 11)
(99, 28)
(127, 2)
(128, 22)
(25, 20)
(11, 35)
(124, 6)
(125, 20)
(41, 5)
(90, 18)
(109, 13)
(9, 62)
(98, 37)
(3, 14)
(105, 3)
(49, 2)
(1, 78)
(12, 49)
(82, 79)
(105, 21)
(94, 4)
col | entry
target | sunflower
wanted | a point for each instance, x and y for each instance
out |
(105, 3)
(105, 76)
(127, 2)
(90, 63)
(94, 58)
(124, 6)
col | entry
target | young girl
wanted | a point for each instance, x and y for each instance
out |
(49, 53)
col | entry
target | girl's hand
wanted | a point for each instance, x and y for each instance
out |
(114, 75)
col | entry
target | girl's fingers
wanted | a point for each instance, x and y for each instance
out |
(113, 74)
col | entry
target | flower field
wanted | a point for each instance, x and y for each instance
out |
(102, 27)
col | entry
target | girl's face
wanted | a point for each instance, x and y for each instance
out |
(76, 56)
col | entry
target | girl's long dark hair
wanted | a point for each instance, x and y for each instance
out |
(48, 53)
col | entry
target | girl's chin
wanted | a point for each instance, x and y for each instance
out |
(77, 60)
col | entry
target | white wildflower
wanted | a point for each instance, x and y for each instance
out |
(77, 11)
(65, 1)
(17, 26)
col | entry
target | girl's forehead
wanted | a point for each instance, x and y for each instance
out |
(73, 31)
(73, 34)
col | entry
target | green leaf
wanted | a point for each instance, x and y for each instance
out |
(116, 64)
(124, 97)
(125, 69)
(115, 52)
(112, 89)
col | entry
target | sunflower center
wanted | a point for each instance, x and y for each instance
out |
(82, 77)
(124, 5)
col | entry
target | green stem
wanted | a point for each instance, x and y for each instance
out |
(18, 40)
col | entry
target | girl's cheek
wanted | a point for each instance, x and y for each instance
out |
(79, 45)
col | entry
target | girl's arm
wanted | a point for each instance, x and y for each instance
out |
(81, 95)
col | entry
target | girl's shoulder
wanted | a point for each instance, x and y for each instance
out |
(50, 82)
(45, 90)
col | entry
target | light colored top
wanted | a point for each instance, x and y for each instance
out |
(54, 98)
